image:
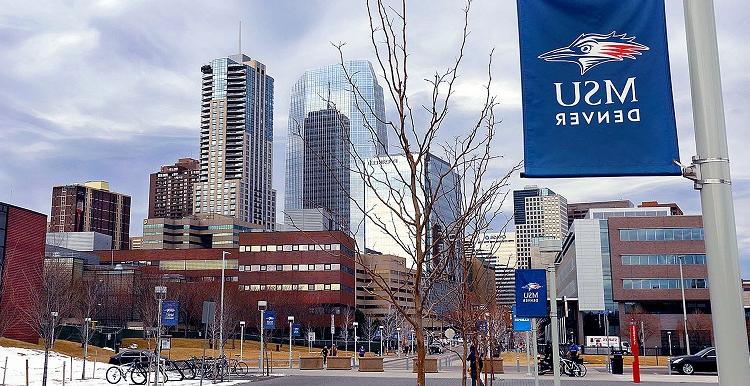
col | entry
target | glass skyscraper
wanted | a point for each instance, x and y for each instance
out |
(236, 141)
(318, 96)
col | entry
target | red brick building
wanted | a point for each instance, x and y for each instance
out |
(22, 236)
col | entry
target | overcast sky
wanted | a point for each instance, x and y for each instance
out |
(111, 89)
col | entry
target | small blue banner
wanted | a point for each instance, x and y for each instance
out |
(597, 93)
(520, 324)
(269, 320)
(170, 312)
(296, 330)
(531, 293)
(482, 325)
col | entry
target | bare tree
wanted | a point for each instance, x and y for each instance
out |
(368, 327)
(346, 319)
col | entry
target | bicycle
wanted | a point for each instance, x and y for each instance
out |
(572, 368)
(140, 372)
(238, 367)
(115, 374)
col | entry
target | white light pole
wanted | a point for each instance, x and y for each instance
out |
(221, 315)
(684, 307)
(262, 305)
(242, 338)
(669, 340)
(398, 341)
(160, 292)
(554, 324)
(291, 321)
(86, 322)
(712, 165)
(355, 324)
(382, 328)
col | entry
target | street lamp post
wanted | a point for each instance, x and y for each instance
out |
(398, 341)
(221, 315)
(242, 338)
(669, 341)
(684, 307)
(291, 321)
(355, 324)
(86, 322)
(382, 328)
(262, 305)
(54, 315)
(160, 292)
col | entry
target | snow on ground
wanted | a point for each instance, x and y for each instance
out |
(15, 374)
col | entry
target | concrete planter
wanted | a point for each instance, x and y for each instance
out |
(494, 365)
(311, 363)
(339, 363)
(430, 365)
(370, 364)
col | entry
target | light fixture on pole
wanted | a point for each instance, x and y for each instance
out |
(355, 324)
(160, 292)
(86, 322)
(291, 321)
(221, 311)
(262, 305)
(398, 341)
(54, 315)
(381, 339)
(242, 337)
(669, 341)
(684, 306)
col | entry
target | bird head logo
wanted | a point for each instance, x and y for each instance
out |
(532, 286)
(590, 50)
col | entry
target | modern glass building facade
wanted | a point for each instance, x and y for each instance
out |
(236, 141)
(328, 88)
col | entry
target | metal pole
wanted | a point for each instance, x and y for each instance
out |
(242, 339)
(260, 359)
(85, 346)
(290, 344)
(221, 315)
(609, 347)
(534, 351)
(158, 344)
(554, 325)
(528, 354)
(716, 195)
(381, 341)
(684, 306)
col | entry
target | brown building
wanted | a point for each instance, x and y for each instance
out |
(91, 207)
(197, 231)
(171, 189)
(578, 210)
(375, 272)
(22, 234)
(674, 208)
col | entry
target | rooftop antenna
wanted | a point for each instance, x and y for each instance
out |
(239, 40)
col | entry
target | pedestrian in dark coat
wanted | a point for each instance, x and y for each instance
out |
(475, 366)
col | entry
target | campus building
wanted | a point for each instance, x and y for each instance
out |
(376, 274)
(499, 250)
(625, 263)
(236, 141)
(320, 100)
(91, 207)
(538, 214)
(198, 231)
(170, 192)
(22, 233)
(79, 241)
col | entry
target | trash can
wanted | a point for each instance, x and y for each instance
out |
(617, 362)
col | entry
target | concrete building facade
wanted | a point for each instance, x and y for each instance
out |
(197, 231)
(538, 214)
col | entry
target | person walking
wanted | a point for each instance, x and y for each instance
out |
(334, 351)
(475, 366)
(324, 352)
(361, 351)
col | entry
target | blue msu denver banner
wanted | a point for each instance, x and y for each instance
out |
(170, 312)
(597, 95)
(531, 293)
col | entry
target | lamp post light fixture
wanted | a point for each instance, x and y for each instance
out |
(262, 305)
(684, 307)
(221, 310)
(291, 321)
(54, 315)
(382, 328)
(86, 322)
(398, 341)
(242, 337)
(160, 292)
(355, 325)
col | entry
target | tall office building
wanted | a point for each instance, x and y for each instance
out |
(170, 192)
(91, 207)
(236, 141)
(326, 170)
(538, 214)
(499, 250)
(323, 89)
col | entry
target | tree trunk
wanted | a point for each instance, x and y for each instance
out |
(46, 360)
(419, 336)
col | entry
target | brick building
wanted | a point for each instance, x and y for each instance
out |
(22, 234)
(170, 193)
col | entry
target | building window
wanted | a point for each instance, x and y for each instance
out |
(663, 283)
(667, 259)
(661, 234)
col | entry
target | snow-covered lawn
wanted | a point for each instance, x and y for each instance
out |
(16, 371)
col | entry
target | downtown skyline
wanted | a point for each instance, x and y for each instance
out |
(148, 114)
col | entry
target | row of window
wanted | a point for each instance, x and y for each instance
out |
(661, 234)
(188, 265)
(292, 287)
(290, 247)
(293, 267)
(663, 283)
(690, 259)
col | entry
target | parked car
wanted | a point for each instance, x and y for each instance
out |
(129, 356)
(434, 349)
(702, 361)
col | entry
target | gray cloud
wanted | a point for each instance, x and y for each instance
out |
(110, 89)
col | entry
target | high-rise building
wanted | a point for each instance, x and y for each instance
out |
(170, 192)
(387, 233)
(91, 207)
(324, 89)
(538, 214)
(326, 170)
(499, 250)
(236, 141)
